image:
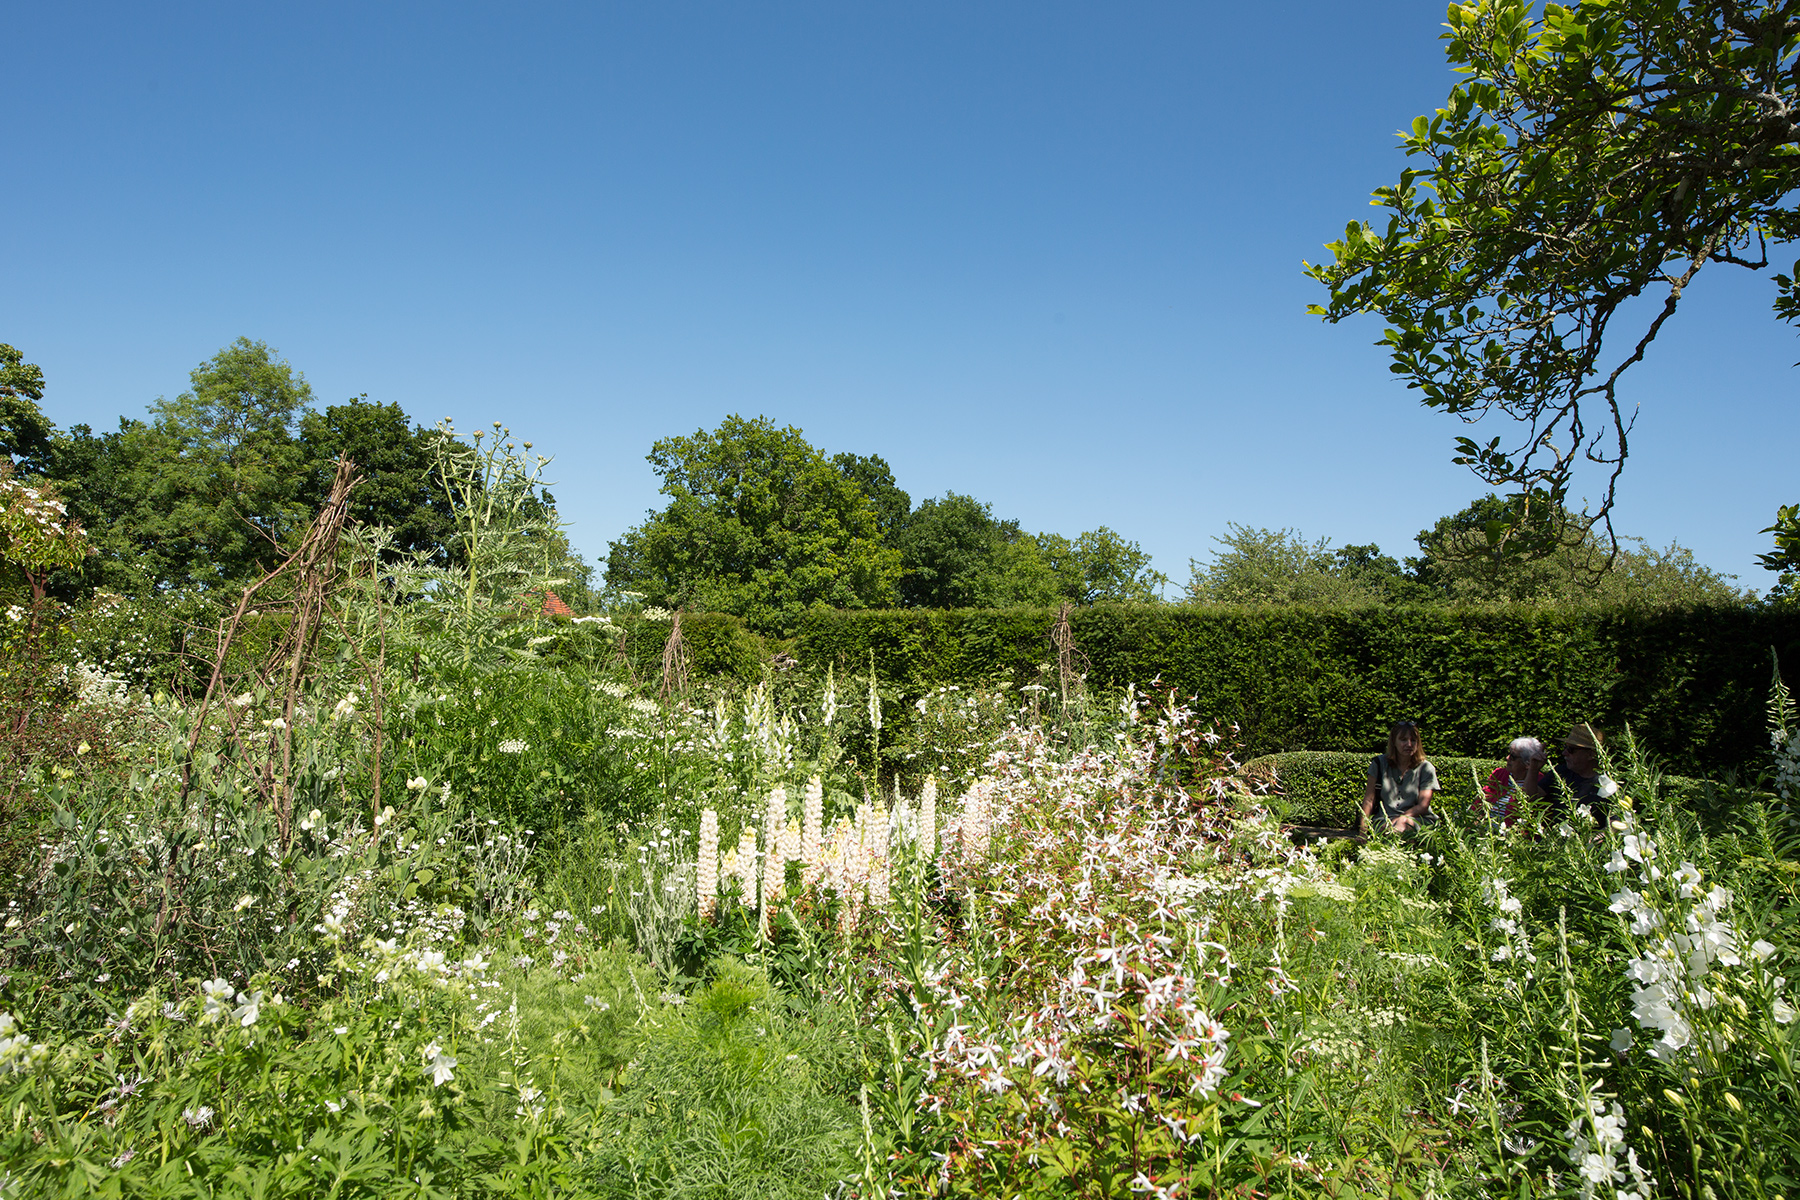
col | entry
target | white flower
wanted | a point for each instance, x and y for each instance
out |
(244, 902)
(512, 746)
(218, 994)
(248, 1008)
(438, 1065)
(1605, 788)
(311, 821)
(1621, 1040)
(197, 1118)
(1760, 950)
(417, 784)
(344, 708)
(1783, 1012)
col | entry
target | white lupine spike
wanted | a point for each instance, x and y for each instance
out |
(774, 867)
(790, 841)
(927, 828)
(744, 863)
(706, 869)
(812, 820)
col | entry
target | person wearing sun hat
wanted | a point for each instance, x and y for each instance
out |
(1576, 780)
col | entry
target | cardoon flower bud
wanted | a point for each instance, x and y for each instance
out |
(706, 871)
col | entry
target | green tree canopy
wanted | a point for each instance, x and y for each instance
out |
(759, 523)
(1594, 153)
(395, 460)
(1457, 564)
(25, 432)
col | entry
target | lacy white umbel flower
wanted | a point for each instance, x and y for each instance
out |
(512, 746)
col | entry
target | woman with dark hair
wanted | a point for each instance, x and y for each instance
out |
(1402, 780)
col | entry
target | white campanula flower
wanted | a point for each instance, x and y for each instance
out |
(1621, 1040)
(217, 994)
(249, 1007)
(1761, 950)
(1605, 787)
(438, 1065)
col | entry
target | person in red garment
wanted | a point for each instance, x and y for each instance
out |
(1523, 775)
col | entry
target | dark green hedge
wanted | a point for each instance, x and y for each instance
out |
(1693, 683)
(718, 645)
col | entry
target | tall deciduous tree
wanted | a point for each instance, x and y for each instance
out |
(25, 432)
(1596, 152)
(759, 523)
(395, 461)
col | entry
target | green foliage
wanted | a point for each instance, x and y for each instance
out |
(719, 646)
(736, 1096)
(396, 462)
(1694, 680)
(1590, 154)
(25, 432)
(1785, 558)
(1279, 566)
(1465, 559)
(759, 524)
(214, 488)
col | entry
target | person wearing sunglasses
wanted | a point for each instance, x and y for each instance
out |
(1577, 782)
(1523, 775)
(1401, 780)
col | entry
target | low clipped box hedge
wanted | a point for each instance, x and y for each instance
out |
(1325, 788)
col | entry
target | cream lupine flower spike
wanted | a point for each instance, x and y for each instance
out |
(774, 868)
(926, 831)
(706, 869)
(744, 864)
(812, 820)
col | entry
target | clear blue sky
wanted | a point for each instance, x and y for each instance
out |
(1047, 254)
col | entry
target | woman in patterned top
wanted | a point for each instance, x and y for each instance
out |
(1401, 780)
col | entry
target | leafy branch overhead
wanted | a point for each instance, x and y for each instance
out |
(1603, 152)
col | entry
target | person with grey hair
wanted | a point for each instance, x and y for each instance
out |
(1523, 775)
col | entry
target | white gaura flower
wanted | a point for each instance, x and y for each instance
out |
(438, 1065)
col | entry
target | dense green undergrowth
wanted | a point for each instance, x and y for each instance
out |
(473, 905)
